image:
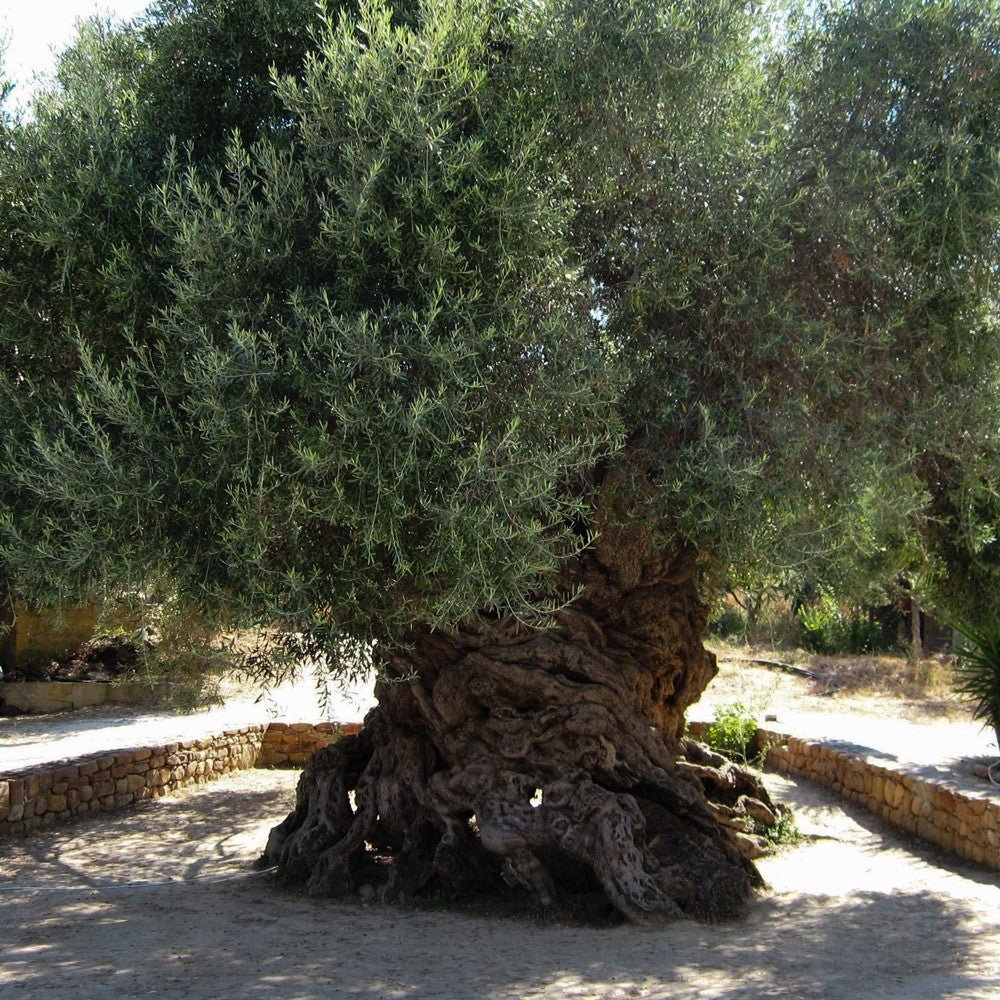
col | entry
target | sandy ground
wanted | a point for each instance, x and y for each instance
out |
(856, 911)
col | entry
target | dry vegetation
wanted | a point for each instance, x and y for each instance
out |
(868, 685)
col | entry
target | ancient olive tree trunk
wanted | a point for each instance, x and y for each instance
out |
(552, 759)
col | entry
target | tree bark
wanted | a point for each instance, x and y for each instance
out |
(552, 759)
(916, 637)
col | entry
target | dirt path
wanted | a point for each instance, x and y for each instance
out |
(860, 911)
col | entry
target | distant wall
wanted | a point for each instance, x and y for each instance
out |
(58, 696)
(46, 635)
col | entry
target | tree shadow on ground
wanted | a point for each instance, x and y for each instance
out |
(243, 937)
(232, 939)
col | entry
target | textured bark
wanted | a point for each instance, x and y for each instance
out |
(551, 759)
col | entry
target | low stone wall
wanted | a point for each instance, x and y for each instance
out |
(960, 814)
(51, 793)
(291, 744)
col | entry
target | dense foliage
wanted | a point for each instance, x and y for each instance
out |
(977, 674)
(341, 321)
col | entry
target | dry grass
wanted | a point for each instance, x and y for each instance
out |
(868, 685)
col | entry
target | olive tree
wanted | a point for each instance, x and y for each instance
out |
(503, 332)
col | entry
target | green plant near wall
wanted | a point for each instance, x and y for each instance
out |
(783, 832)
(977, 672)
(733, 732)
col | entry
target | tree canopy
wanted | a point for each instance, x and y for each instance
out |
(341, 320)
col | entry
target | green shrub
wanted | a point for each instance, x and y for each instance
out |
(977, 673)
(783, 832)
(733, 732)
(828, 628)
(729, 624)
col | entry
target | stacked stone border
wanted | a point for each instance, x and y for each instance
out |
(291, 744)
(47, 794)
(956, 813)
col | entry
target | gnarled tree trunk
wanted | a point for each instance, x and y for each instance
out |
(553, 759)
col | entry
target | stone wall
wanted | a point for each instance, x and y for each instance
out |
(45, 635)
(961, 815)
(51, 793)
(60, 696)
(291, 744)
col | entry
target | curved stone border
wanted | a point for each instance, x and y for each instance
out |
(51, 793)
(947, 808)
(952, 811)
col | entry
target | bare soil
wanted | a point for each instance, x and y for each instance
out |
(162, 902)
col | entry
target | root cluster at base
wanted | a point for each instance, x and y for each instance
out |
(552, 761)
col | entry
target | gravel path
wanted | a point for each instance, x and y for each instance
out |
(856, 910)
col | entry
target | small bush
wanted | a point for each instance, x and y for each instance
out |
(828, 628)
(733, 732)
(729, 624)
(783, 832)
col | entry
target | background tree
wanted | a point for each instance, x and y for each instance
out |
(512, 328)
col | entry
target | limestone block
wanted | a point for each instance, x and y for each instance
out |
(15, 788)
(977, 806)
